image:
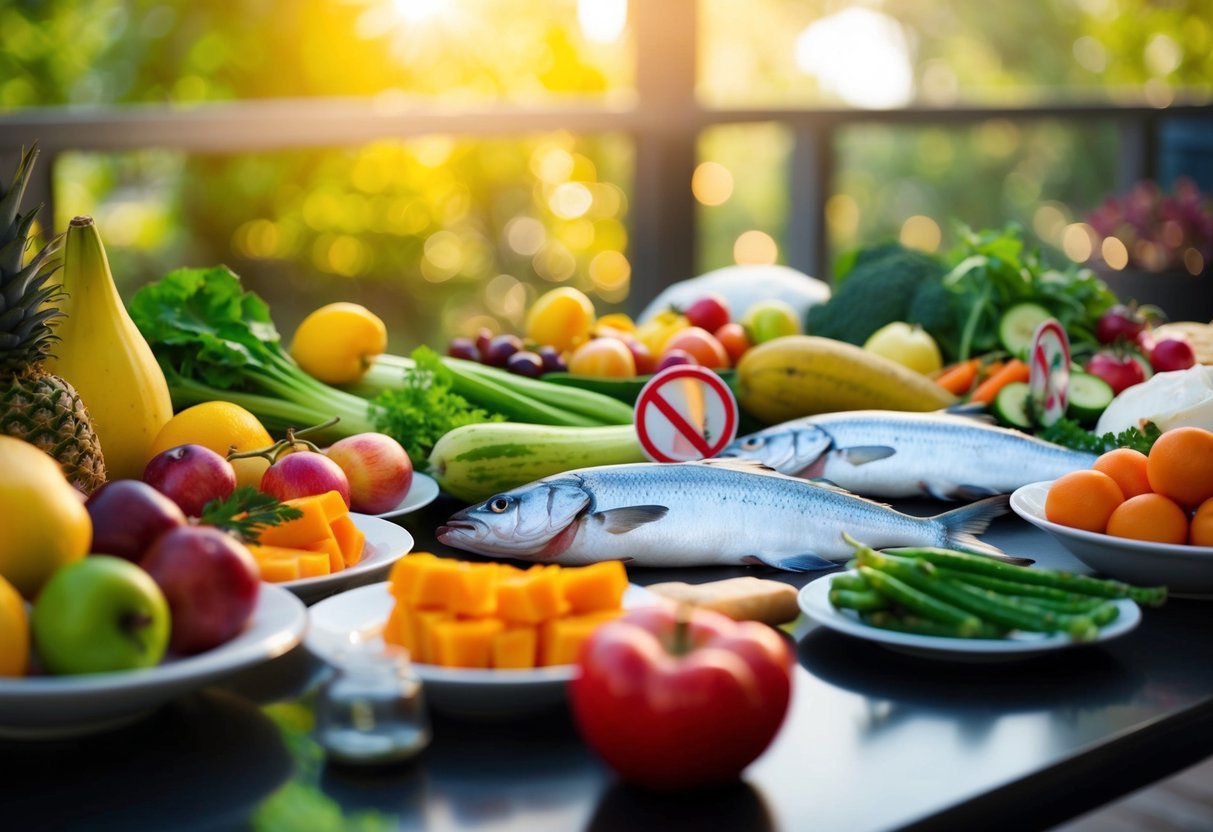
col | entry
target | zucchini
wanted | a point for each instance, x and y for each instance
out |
(1011, 405)
(1018, 325)
(474, 462)
(1089, 396)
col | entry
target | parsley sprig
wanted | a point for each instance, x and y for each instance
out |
(246, 512)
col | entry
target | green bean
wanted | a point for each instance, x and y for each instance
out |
(923, 626)
(1083, 607)
(862, 600)
(1084, 584)
(855, 583)
(921, 603)
(1016, 587)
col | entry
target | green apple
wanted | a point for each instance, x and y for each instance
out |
(766, 320)
(908, 345)
(100, 614)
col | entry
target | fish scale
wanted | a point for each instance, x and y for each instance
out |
(722, 512)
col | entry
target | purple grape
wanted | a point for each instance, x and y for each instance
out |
(463, 348)
(483, 336)
(674, 357)
(500, 348)
(525, 363)
(553, 361)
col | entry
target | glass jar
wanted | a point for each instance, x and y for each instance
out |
(371, 709)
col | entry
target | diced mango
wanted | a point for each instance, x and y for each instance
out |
(475, 590)
(466, 643)
(333, 505)
(314, 565)
(405, 572)
(515, 647)
(435, 584)
(328, 545)
(560, 639)
(423, 623)
(297, 533)
(349, 538)
(397, 629)
(532, 597)
(277, 571)
(599, 586)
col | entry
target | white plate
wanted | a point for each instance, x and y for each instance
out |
(56, 706)
(422, 492)
(359, 615)
(815, 603)
(1184, 570)
(386, 543)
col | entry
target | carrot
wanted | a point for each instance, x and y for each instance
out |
(1014, 370)
(959, 377)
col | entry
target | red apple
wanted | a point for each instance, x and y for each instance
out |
(191, 476)
(709, 312)
(211, 583)
(1119, 370)
(378, 468)
(1170, 354)
(128, 516)
(305, 474)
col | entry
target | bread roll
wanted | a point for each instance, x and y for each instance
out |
(742, 599)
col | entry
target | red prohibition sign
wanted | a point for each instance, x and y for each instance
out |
(685, 413)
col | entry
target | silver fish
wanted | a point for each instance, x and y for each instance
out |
(889, 454)
(698, 513)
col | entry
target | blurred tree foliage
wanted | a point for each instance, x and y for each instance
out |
(446, 234)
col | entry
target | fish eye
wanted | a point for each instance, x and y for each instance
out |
(752, 443)
(499, 504)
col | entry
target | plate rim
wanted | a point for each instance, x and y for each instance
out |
(337, 579)
(431, 484)
(1020, 505)
(217, 660)
(813, 602)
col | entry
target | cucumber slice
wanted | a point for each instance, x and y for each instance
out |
(1089, 396)
(1018, 325)
(1011, 405)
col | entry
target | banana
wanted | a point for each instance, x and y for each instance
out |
(105, 357)
(799, 375)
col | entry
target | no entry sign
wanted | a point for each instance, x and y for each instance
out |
(684, 413)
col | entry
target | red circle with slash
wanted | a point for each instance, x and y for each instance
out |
(684, 413)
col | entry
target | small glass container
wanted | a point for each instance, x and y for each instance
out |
(371, 709)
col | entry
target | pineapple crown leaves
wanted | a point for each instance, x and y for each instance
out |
(10, 199)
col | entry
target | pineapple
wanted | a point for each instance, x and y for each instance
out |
(35, 405)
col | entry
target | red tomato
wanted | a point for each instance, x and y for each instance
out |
(672, 704)
(709, 312)
(701, 344)
(734, 340)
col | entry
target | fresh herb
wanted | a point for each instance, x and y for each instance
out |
(424, 408)
(1070, 434)
(246, 512)
(993, 270)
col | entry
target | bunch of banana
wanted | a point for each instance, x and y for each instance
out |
(800, 375)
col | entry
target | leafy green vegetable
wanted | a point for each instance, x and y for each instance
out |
(879, 285)
(246, 512)
(1072, 435)
(424, 408)
(993, 270)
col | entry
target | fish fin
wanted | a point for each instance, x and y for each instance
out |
(972, 410)
(806, 562)
(751, 465)
(970, 493)
(962, 525)
(621, 520)
(863, 454)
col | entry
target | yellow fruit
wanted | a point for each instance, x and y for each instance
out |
(104, 356)
(338, 342)
(654, 332)
(617, 321)
(561, 318)
(43, 522)
(909, 345)
(218, 426)
(799, 375)
(14, 632)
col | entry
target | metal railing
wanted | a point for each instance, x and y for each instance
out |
(664, 120)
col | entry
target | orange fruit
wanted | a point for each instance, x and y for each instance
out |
(1200, 532)
(338, 342)
(14, 632)
(1149, 517)
(1181, 466)
(603, 358)
(561, 318)
(1083, 500)
(218, 426)
(1128, 468)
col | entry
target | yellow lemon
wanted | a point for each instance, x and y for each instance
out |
(43, 522)
(14, 632)
(561, 318)
(338, 342)
(218, 426)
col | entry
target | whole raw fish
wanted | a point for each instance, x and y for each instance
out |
(886, 453)
(696, 513)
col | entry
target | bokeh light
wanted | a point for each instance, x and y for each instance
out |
(712, 183)
(755, 248)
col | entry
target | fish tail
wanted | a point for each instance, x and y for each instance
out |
(962, 525)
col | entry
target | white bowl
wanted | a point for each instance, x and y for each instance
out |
(1184, 570)
(386, 543)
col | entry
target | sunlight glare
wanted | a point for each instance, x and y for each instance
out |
(602, 21)
(859, 55)
(419, 11)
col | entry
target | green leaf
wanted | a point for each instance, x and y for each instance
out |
(246, 512)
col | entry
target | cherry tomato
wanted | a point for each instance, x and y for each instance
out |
(734, 340)
(709, 312)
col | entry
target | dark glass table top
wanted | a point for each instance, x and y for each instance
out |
(874, 740)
